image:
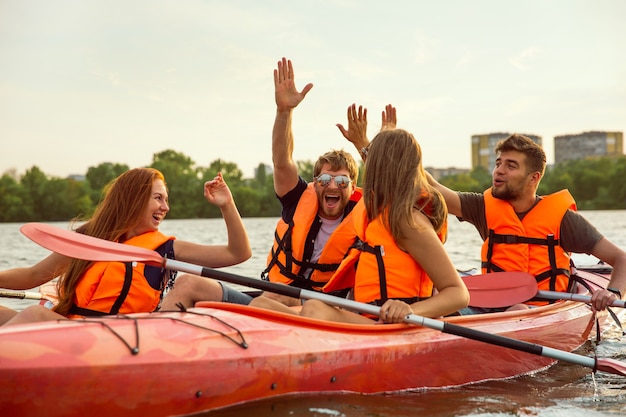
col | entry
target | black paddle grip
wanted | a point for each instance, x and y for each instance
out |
(252, 282)
(492, 338)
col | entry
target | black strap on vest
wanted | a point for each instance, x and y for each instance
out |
(128, 280)
(549, 241)
(378, 251)
(284, 245)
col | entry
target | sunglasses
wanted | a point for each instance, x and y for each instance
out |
(342, 181)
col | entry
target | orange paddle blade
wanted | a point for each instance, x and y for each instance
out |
(77, 245)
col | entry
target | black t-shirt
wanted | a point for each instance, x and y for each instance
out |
(289, 201)
(577, 235)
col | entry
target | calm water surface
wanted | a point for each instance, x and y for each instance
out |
(563, 390)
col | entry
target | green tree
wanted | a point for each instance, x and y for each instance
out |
(260, 177)
(248, 201)
(462, 182)
(183, 182)
(305, 170)
(230, 171)
(14, 204)
(483, 178)
(556, 178)
(269, 204)
(99, 176)
(34, 184)
(616, 187)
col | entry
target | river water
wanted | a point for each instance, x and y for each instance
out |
(563, 390)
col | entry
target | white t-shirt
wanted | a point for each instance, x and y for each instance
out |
(326, 229)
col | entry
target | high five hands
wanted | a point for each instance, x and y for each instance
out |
(356, 133)
(285, 93)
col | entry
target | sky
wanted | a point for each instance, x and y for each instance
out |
(84, 82)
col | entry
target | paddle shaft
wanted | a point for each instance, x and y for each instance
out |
(442, 326)
(555, 295)
(21, 295)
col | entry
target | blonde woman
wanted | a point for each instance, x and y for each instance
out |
(401, 225)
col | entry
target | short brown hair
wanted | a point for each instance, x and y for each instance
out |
(535, 155)
(337, 159)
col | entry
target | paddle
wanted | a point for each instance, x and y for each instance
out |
(517, 287)
(555, 295)
(22, 295)
(85, 247)
(500, 289)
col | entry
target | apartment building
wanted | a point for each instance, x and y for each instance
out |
(588, 145)
(483, 148)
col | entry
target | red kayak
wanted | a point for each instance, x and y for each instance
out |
(217, 355)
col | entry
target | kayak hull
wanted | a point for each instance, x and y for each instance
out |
(218, 355)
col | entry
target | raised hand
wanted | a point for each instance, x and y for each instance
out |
(389, 118)
(285, 92)
(217, 192)
(357, 126)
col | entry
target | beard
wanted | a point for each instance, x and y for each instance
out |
(332, 209)
(506, 193)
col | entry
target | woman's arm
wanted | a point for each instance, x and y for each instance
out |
(237, 248)
(33, 276)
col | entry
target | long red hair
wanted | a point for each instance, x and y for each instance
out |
(125, 200)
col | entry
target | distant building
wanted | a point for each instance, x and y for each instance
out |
(269, 170)
(439, 173)
(483, 148)
(588, 145)
(76, 177)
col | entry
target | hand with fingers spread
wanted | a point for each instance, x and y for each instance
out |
(285, 92)
(389, 118)
(357, 126)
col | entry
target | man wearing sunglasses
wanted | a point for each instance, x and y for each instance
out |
(314, 232)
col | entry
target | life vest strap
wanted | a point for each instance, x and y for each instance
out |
(128, 280)
(80, 311)
(514, 239)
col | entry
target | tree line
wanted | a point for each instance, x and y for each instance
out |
(595, 183)
(35, 196)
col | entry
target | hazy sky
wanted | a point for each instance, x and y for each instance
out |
(84, 82)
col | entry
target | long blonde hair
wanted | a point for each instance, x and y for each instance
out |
(121, 209)
(395, 183)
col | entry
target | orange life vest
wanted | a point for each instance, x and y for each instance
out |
(119, 287)
(530, 244)
(286, 262)
(383, 270)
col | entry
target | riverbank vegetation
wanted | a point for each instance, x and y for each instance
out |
(596, 184)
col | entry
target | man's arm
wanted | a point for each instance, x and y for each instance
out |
(608, 252)
(453, 201)
(287, 98)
